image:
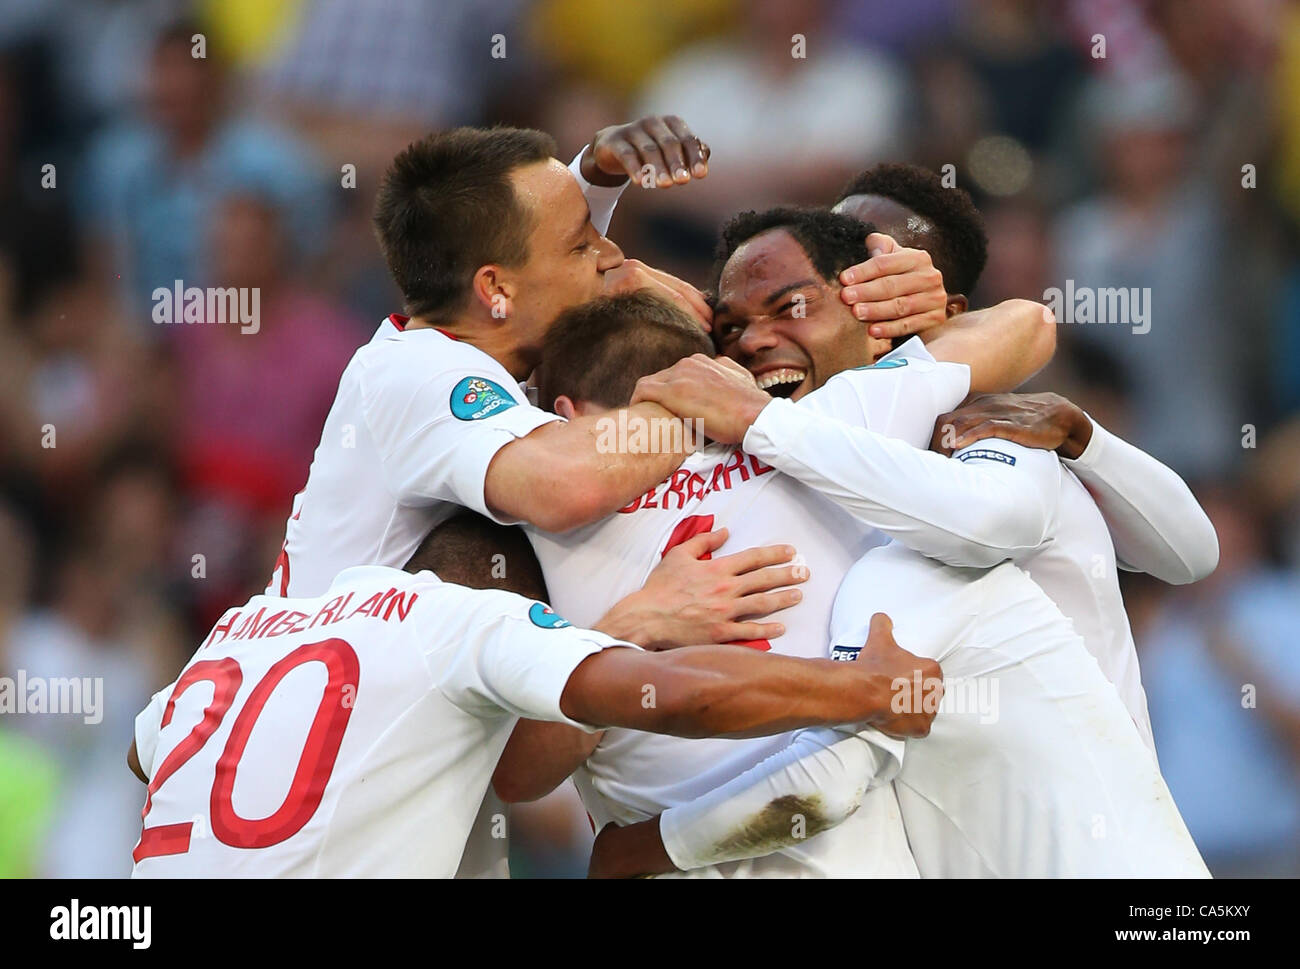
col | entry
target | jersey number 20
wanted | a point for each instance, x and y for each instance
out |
(315, 763)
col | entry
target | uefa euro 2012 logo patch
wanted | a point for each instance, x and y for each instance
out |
(475, 398)
(544, 616)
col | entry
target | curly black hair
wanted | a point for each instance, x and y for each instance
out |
(832, 241)
(958, 246)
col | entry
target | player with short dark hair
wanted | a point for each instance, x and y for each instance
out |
(780, 308)
(432, 210)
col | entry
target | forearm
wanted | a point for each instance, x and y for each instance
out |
(810, 786)
(568, 474)
(1004, 345)
(961, 514)
(813, 784)
(707, 691)
(1155, 521)
(539, 757)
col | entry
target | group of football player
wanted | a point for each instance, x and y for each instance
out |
(871, 627)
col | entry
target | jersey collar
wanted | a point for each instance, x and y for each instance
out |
(399, 322)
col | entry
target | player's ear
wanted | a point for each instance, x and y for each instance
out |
(565, 408)
(957, 303)
(492, 291)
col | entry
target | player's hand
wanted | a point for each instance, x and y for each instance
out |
(630, 851)
(633, 274)
(719, 393)
(691, 599)
(913, 700)
(658, 151)
(897, 291)
(1047, 421)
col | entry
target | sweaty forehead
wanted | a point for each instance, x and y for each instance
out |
(763, 265)
(549, 193)
(887, 216)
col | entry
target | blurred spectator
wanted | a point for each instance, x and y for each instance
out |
(361, 78)
(152, 183)
(36, 238)
(79, 636)
(617, 45)
(251, 404)
(788, 119)
(28, 773)
(1221, 665)
(1149, 232)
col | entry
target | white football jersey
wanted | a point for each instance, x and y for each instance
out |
(1033, 766)
(417, 419)
(349, 734)
(993, 501)
(633, 775)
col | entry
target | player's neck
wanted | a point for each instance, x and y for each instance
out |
(496, 341)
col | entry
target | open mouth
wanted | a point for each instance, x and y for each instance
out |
(782, 382)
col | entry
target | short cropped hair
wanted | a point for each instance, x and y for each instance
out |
(597, 351)
(832, 241)
(463, 550)
(446, 206)
(958, 246)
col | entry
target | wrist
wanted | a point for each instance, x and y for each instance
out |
(647, 854)
(594, 174)
(1080, 433)
(624, 623)
(752, 408)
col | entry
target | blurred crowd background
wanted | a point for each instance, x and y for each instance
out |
(1173, 162)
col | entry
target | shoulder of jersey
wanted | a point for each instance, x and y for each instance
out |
(474, 398)
(544, 616)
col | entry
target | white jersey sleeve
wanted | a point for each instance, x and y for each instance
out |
(436, 432)
(1156, 523)
(517, 658)
(989, 502)
(823, 775)
(600, 199)
(900, 396)
(148, 724)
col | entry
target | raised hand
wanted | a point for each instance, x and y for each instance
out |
(658, 151)
(896, 291)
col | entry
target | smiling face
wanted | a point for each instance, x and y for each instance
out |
(778, 317)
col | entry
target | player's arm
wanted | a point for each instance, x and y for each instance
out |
(811, 785)
(687, 600)
(808, 787)
(558, 477)
(898, 292)
(1155, 521)
(148, 724)
(986, 505)
(512, 664)
(974, 513)
(657, 151)
(731, 691)
(1003, 345)
(133, 762)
